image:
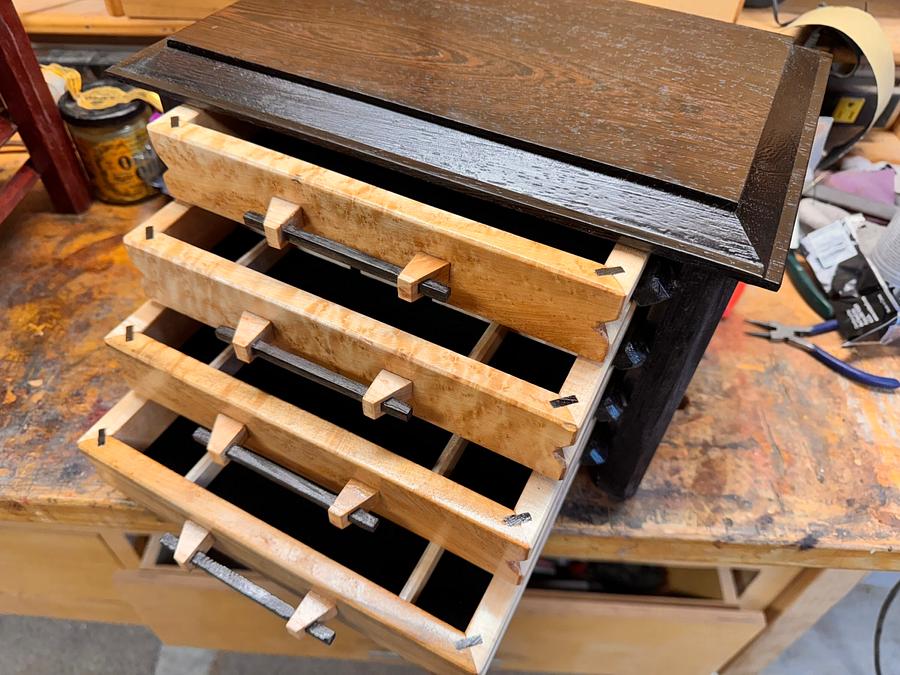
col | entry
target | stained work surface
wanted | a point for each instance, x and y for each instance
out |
(66, 282)
(774, 459)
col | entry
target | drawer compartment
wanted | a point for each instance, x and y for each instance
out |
(520, 420)
(551, 631)
(533, 288)
(146, 450)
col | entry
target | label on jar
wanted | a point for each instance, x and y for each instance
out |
(113, 166)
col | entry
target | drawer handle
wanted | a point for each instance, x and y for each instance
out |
(288, 479)
(393, 406)
(337, 252)
(298, 619)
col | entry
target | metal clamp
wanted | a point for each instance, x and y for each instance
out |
(316, 373)
(247, 588)
(337, 252)
(287, 479)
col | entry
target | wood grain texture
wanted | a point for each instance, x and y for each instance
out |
(195, 610)
(412, 496)
(483, 350)
(499, 411)
(667, 164)
(791, 614)
(531, 287)
(750, 470)
(623, 637)
(721, 10)
(87, 17)
(773, 460)
(68, 283)
(528, 62)
(361, 604)
(540, 495)
(34, 583)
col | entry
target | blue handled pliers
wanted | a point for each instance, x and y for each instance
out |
(794, 335)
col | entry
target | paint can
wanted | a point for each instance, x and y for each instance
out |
(110, 131)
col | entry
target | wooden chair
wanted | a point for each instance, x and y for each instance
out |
(31, 111)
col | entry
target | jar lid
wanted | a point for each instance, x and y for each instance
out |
(116, 113)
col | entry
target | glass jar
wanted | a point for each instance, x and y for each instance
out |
(114, 146)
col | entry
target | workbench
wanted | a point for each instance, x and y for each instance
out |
(773, 463)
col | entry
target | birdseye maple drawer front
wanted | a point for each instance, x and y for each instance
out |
(429, 490)
(353, 325)
(537, 289)
(552, 631)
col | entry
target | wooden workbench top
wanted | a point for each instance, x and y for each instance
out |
(773, 460)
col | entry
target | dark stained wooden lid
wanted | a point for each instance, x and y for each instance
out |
(682, 132)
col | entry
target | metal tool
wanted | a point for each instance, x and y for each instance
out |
(248, 589)
(794, 335)
(316, 373)
(288, 479)
(337, 252)
(807, 287)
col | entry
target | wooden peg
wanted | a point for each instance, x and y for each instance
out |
(385, 385)
(280, 213)
(355, 495)
(312, 608)
(193, 538)
(249, 329)
(225, 433)
(421, 268)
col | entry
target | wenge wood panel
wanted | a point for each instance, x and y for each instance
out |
(619, 83)
(685, 134)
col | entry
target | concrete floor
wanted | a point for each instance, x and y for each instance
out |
(840, 644)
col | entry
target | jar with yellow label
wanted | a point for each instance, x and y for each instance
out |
(113, 141)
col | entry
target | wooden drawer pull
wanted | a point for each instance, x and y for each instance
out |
(225, 433)
(339, 253)
(288, 479)
(353, 497)
(421, 268)
(385, 387)
(247, 588)
(312, 609)
(280, 213)
(194, 539)
(250, 329)
(392, 405)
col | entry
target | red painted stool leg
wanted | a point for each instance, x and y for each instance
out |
(37, 118)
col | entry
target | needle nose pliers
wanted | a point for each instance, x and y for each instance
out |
(793, 335)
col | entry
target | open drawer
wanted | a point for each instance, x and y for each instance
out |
(552, 630)
(323, 313)
(531, 287)
(434, 489)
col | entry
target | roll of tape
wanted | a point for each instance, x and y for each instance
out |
(865, 32)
